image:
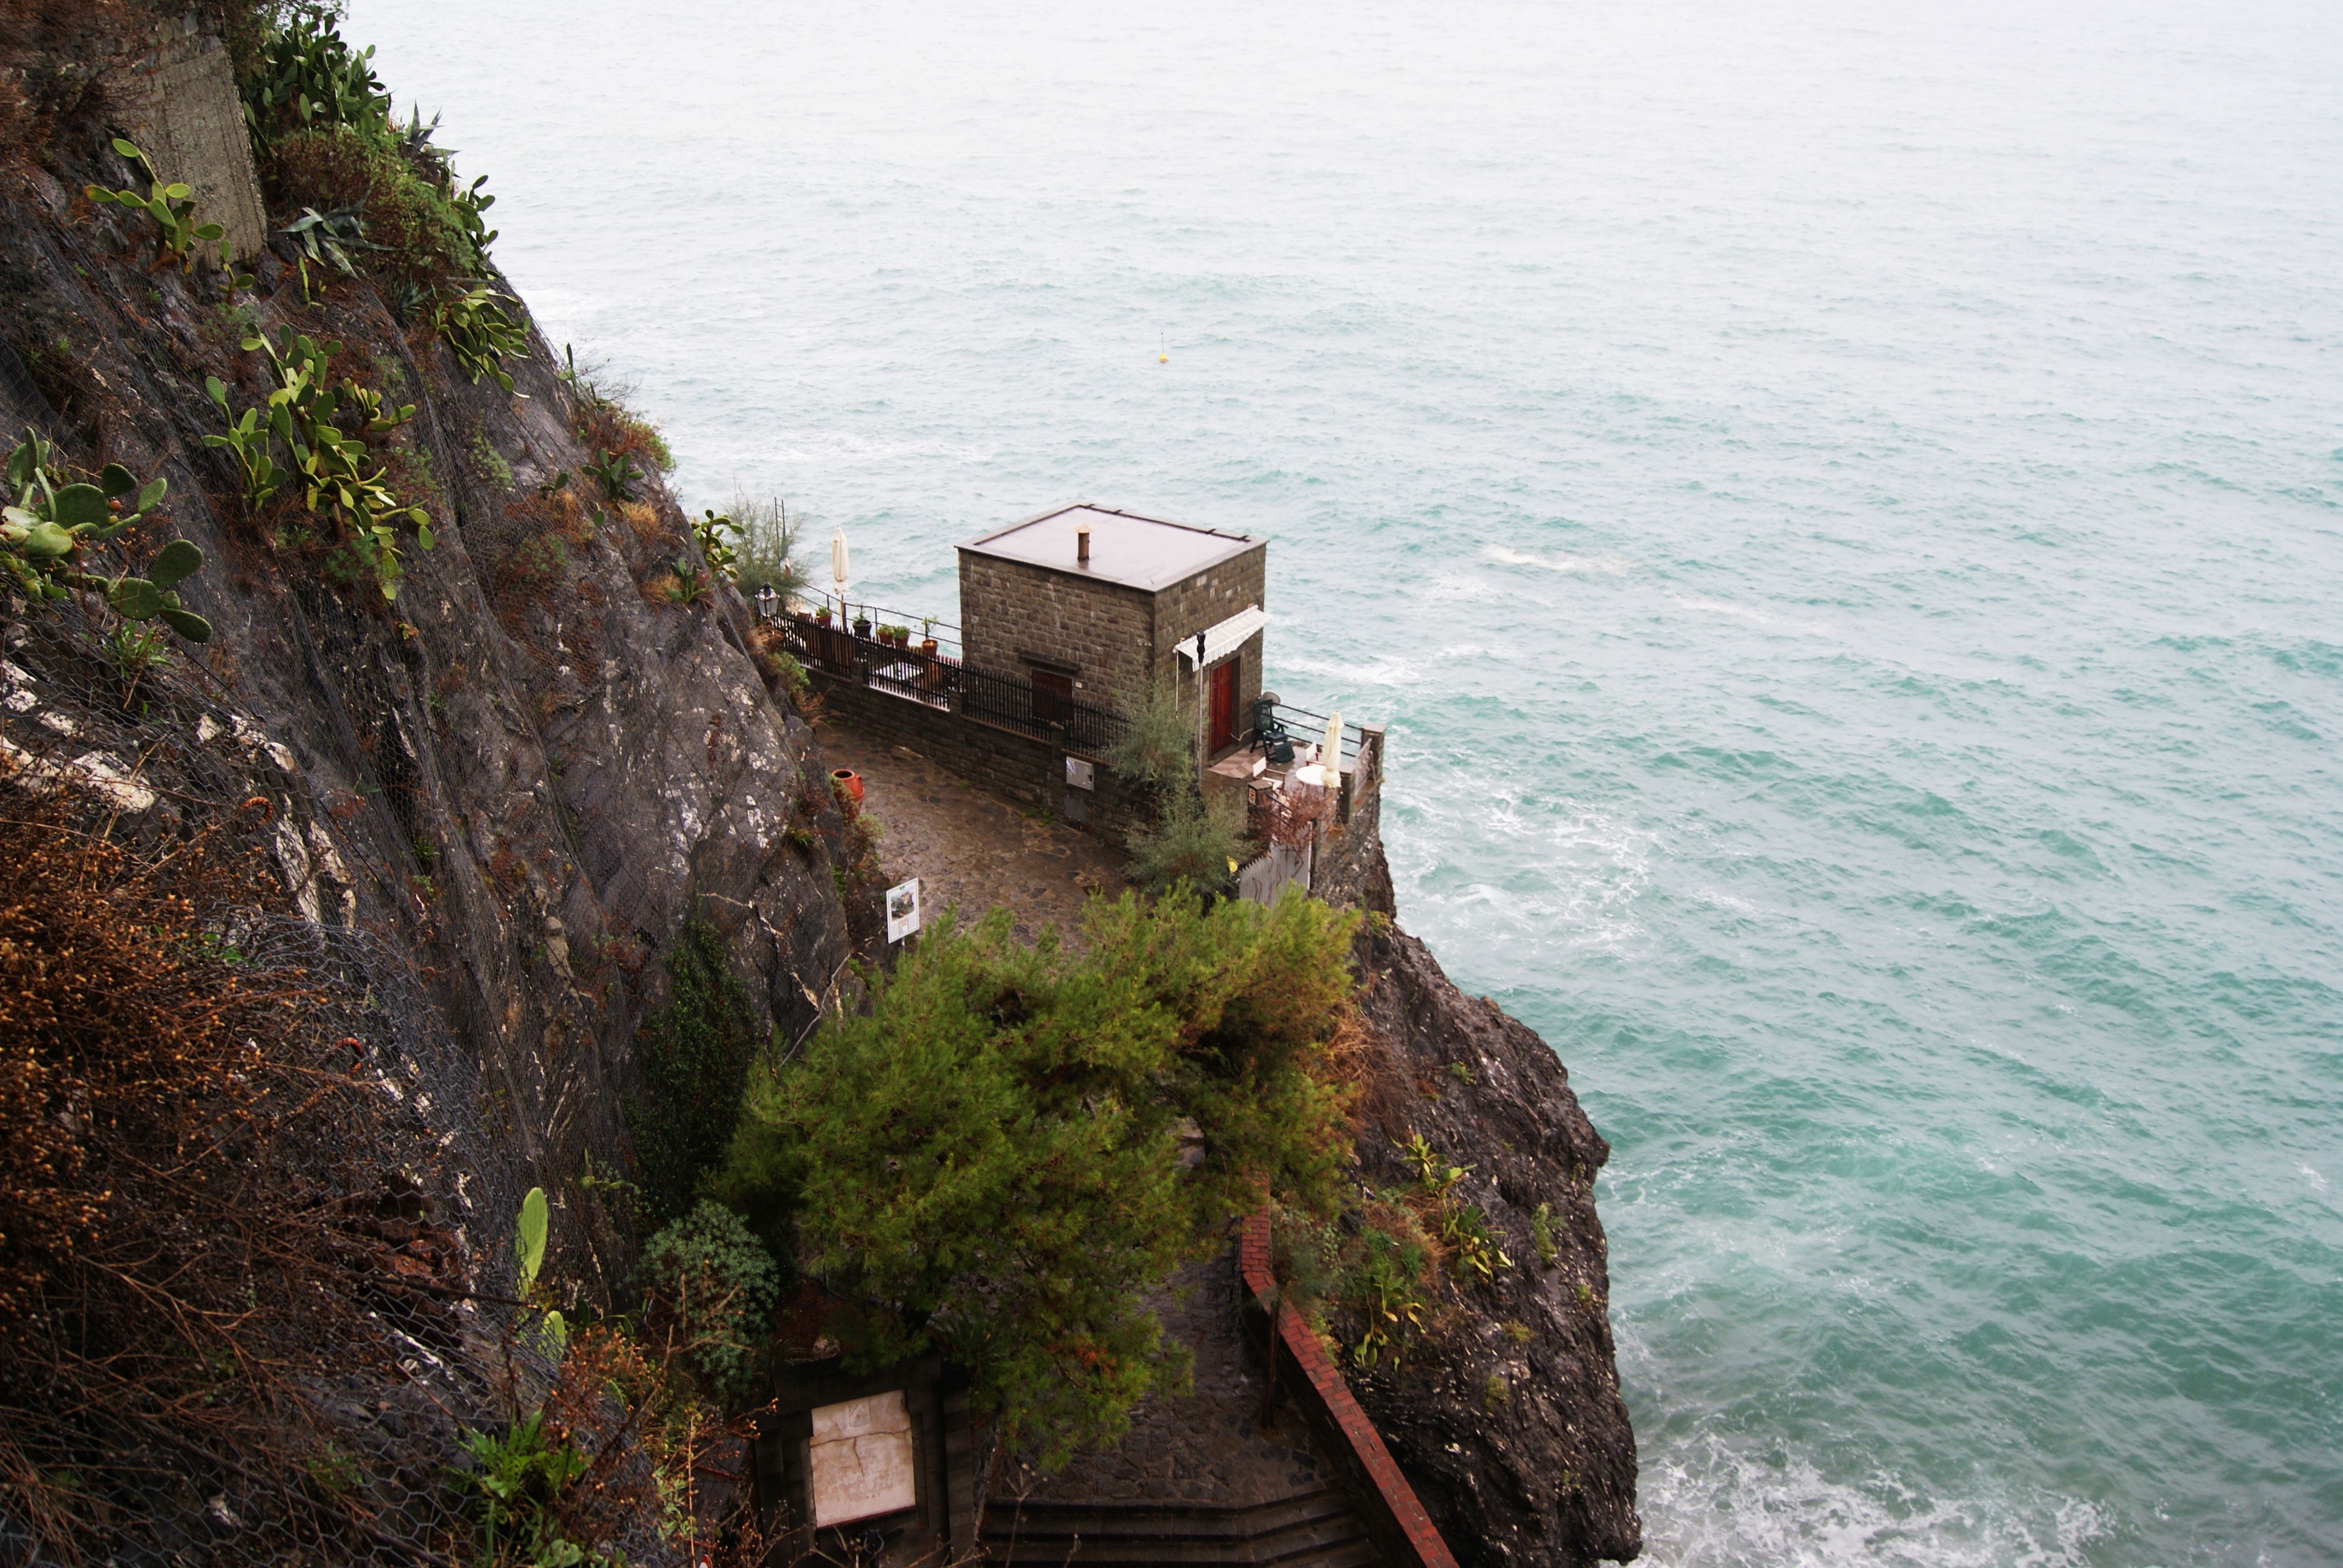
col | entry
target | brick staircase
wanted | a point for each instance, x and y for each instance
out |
(1311, 1530)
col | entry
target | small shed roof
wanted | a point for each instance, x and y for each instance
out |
(1147, 553)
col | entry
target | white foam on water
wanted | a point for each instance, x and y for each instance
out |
(1707, 1504)
(1558, 562)
(1380, 672)
(1742, 612)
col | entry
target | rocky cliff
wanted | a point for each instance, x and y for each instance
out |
(526, 772)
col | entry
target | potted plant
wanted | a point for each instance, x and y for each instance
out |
(863, 622)
(821, 616)
(928, 638)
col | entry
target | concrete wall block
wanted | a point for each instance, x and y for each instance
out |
(180, 105)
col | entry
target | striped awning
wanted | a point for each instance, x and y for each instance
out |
(1222, 640)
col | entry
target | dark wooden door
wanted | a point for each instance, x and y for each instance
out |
(1049, 689)
(1221, 733)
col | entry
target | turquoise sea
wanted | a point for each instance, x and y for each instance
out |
(1841, 504)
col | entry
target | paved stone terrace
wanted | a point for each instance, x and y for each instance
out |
(969, 848)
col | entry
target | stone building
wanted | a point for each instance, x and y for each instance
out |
(1095, 604)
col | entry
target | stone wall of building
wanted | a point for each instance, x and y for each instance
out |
(1115, 639)
(1013, 614)
(1185, 609)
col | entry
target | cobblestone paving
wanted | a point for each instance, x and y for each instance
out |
(969, 848)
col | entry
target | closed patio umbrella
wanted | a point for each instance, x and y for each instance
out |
(1326, 773)
(838, 567)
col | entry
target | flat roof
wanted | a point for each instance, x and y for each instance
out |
(1147, 553)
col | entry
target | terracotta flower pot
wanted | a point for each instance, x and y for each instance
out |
(847, 780)
(928, 646)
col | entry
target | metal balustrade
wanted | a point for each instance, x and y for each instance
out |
(1012, 703)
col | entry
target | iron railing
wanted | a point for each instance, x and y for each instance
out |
(946, 633)
(1012, 703)
(1303, 726)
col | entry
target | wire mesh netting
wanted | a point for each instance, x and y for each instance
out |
(255, 1213)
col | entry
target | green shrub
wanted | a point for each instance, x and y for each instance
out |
(1384, 1286)
(1190, 841)
(709, 1288)
(484, 327)
(764, 548)
(516, 1484)
(695, 1054)
(987, 1161)
(1473, 1254)
(417, 237)
(489, 463)
(302, 422)
(1158, 744)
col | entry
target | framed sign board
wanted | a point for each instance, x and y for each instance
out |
(902, 910)
(862, 1458)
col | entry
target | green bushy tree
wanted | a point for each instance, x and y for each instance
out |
(989, 1161)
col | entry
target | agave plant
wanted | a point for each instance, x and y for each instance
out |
(332, 238)
(50, 526)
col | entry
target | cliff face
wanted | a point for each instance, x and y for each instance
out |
(1507, 1416)
(525, 773)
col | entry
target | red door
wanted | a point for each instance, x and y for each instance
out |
(1221, 733)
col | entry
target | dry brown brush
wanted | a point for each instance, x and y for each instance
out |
(217, 1285)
